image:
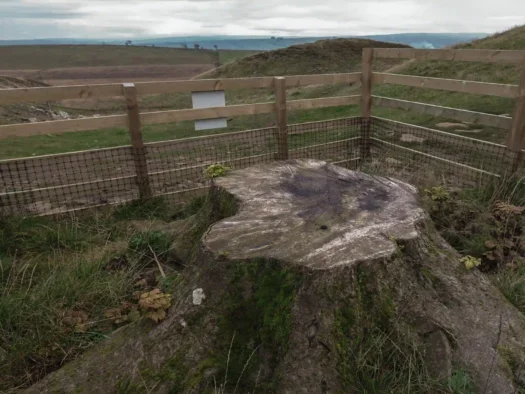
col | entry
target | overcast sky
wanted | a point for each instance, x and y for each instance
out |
(20, 19)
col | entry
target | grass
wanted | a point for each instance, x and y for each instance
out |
(325, 56)
(320, 57)
(228, 56)
(255, 324)
(50, 269)
(58, 278)
(512, 285)
(376, 354)
(31, 57)
(483, 222)
(76, 141)
(513, 39)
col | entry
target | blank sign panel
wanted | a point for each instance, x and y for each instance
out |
(209, 100)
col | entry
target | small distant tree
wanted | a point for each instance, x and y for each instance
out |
(184, 45)
(216, 47)
(196, 46)
(273, 38)
(128, 43)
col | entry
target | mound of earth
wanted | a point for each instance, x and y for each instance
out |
(26, 113)
(7, 82)
(304, 277)
(321, 57)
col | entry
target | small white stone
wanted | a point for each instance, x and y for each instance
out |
(198, 296)
(411, 138)
(183, 323)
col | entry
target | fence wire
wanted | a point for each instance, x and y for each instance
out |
(175, 169)
(55, 183)
(336, 141)
(401, 149)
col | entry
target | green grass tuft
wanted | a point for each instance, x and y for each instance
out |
(511, 283)
(145, 243)
(461, 383)
(51, 268)
(255, 322)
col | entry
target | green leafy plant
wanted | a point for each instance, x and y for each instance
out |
(460, 383)
(438, 194)
(216, 170)
(470, 262)
(143, 242)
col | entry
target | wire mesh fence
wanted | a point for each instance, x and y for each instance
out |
(54, 183)
(336, 141)
(175, 169)
(400, 148)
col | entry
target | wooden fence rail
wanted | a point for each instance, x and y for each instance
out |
(515, 125)
(498, 121)
(134, 119)
(44, 94)
(458, 55)
(451, 85)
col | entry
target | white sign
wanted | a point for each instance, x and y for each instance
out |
(209, 100)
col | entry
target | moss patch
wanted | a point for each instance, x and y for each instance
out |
(216, 206)
(513, 362)
(256, 325)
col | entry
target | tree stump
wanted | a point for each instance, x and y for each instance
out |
(316, 279)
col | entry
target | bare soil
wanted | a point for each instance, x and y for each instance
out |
(111, 74)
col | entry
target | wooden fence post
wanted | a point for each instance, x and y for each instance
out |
(138, 149)
(517, 132)
(366, 102)
(282, 119)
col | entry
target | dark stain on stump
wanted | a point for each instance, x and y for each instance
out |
(324, 193)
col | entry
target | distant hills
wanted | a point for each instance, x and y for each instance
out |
(416, 40)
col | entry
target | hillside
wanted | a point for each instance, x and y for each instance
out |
(23, 113)
(325, 56)
(328, 56)
(513, 39)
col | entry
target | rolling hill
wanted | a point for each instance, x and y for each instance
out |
(321, 57)
(326, 56)
(513, 39)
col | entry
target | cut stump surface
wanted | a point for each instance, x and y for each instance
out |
(314, 214)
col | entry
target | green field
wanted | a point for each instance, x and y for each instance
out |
(318, 58)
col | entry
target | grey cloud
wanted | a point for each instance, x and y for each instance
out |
(98, 18)
(15, 9)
